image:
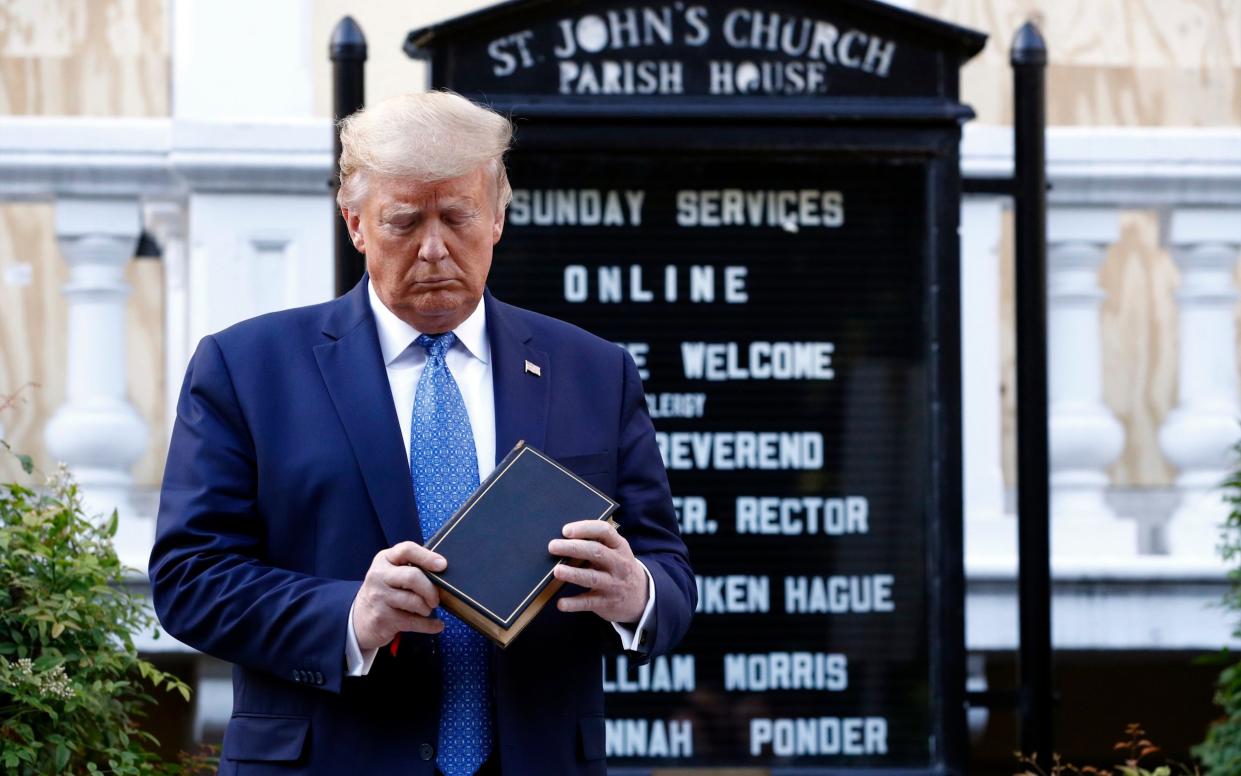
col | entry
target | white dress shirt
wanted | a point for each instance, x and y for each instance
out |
(469, 361)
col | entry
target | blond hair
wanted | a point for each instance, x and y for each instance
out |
(423, 136)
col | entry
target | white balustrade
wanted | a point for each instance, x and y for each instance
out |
(1085, 436)
(243, 206)
(97, 431)
(1199, 433)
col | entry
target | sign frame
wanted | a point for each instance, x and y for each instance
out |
(938, 152)
(924, 130)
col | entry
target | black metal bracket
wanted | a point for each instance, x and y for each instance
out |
(1003, 187)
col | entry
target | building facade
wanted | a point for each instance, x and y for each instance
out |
(200, 132)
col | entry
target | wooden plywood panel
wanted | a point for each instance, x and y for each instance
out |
(32, 327)
(1129, 62)
(1138, 321)
(73, 57)
(1143, 96)
(144, 333)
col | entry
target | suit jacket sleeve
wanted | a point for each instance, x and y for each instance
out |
(211, 586)
(647, 518)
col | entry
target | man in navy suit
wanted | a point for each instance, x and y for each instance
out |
(289, 537)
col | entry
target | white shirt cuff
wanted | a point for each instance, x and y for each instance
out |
(357, 663)
(632, 639)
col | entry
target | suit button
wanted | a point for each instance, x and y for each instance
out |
(426, 751)
(318, 678)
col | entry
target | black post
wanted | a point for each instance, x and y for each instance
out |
(348, 54)
(1029, 61)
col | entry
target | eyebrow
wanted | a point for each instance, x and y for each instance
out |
(395, 212)
(459, 203)
(399, 211)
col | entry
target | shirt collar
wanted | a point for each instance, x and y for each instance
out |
(395, 335)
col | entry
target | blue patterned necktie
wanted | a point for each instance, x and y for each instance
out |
(444, 467)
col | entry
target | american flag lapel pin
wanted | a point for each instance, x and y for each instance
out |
(533, 369)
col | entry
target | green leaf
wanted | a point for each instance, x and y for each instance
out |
(63, 604)
(184, 690)
(27, 463)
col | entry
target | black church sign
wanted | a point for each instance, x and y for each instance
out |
(760, 201)
(686, 49)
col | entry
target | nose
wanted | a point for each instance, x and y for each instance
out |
(431, 247)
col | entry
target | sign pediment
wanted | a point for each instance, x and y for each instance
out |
(721, 49)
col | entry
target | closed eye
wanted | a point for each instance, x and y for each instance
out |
(455, 217)
(401, 221)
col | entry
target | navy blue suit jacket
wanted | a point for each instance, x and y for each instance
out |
(287, 473)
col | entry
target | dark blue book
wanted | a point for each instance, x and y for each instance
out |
(499, 571)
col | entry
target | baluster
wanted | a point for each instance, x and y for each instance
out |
(97, 431)
(1199, 432)
(1085, 436)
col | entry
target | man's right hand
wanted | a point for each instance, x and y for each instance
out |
(397, 596)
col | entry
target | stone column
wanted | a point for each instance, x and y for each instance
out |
(989, 532)
(166, 221)
(1199, 433)
(97, 432)
(1085, 437)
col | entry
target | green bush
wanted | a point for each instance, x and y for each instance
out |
(1220, 753)
(72, 686)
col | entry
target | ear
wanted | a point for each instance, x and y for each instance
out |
(497, 226)
(353, 220)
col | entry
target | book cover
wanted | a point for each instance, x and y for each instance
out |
(499, 571)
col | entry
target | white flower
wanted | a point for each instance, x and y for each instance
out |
(54, 683)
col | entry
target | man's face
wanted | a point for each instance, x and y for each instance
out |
(428, 245)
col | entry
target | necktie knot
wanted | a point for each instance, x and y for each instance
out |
(436, 344)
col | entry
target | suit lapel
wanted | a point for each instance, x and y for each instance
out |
(353, 370)
(521, 397)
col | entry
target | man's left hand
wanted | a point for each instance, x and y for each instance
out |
(615, 581)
